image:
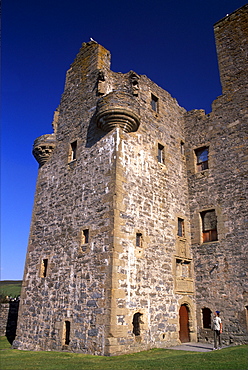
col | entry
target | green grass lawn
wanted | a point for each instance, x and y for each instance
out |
(10, 287)
(232, 358)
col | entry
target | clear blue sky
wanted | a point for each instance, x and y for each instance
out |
(170, 41)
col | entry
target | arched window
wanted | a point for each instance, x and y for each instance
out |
(136, 323)
(206, 318)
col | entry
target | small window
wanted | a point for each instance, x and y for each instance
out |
(44, 265)
(136, 323)
(180, 229)
(73, 154)
(67, 329)
(85, 236)
(206, 318)
(202, 158)
(154, 103)
(246, 316)
(138, 240)
(161, 155)
(209, 226)
(182, 148)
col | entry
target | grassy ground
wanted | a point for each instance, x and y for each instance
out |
(232, 358)
(10, 287)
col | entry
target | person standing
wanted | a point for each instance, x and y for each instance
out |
(217, 328)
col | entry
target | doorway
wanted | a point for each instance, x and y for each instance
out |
(184, 324)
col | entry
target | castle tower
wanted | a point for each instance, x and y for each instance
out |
(107, 267)
(130, 189)
(216, 151)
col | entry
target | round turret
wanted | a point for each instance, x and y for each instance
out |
(117, 109)
(43, 148)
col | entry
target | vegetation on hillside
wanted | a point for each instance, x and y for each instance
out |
(9, 288)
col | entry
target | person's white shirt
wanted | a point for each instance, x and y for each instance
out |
(216, 323)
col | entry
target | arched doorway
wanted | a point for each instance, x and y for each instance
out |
(184, 324)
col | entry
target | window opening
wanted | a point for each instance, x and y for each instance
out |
(67, 332)
(182, 148)
(154, 103)
(209, 226)
(180, 230)
(246, 315)
(73, 151)
(44, 265)
(202, 158)
(138, 240)
(136, 323)
(206, 318)
(161, 155)
(85, 236)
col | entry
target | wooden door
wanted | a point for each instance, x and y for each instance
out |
(184, 324)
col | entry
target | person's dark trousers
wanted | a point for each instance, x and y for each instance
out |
(217, 339)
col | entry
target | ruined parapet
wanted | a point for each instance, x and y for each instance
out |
(118, 109)
(43, 148)
(231, 35)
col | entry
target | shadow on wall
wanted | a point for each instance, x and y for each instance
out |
(12, 320)
(94, 134)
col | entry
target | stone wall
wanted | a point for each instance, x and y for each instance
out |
(4, 311)
(231, 36)
(144, 276)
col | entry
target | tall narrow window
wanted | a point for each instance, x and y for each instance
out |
(182, 148)
(206, 318)
(154, 103)
(246, 315)
(136, 323)
(209, 226)
(85, 236)
(67, 329)
(138, 240)
(161, 156)
(202, 158)
(44, 265)
(180, 229)
(73, 155)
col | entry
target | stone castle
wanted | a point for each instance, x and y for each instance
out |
(138, 229)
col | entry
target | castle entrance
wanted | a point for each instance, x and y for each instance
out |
(184, 324)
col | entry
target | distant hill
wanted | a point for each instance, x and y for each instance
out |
(10, 287)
